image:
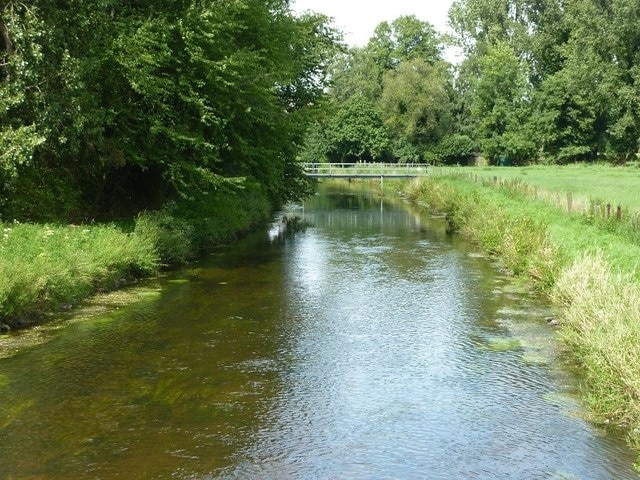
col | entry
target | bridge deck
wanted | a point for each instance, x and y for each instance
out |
(364, 170)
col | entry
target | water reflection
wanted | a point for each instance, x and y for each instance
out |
(396, 371)
(371, 345)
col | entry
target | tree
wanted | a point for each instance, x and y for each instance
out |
(107, 96)
(500, 104)
(356, 132)
(415, 102)
(355, 72)
(406, 38)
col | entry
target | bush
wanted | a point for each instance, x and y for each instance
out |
(455, 149)
(171, 237)
(404, 152)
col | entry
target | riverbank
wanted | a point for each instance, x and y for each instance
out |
(48, 268)
(587, 265)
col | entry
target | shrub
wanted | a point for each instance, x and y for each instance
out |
(171, 237)
(455, 149)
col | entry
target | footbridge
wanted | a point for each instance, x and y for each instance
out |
(365, 170)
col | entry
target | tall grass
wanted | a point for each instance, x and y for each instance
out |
(601, 313)
(44, 267)
(588, 270)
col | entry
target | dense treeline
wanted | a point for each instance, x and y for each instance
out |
(551, 81)
(109, 107)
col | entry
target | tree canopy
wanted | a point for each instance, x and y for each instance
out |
(107, 106)
(551, 81)
(401, 75)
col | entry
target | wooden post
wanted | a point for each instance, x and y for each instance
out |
(569, 202)
(608, 210)
(619, 213)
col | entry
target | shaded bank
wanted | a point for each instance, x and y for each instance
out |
(587, 269)
(47, 267)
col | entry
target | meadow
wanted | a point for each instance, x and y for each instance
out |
(602, 183)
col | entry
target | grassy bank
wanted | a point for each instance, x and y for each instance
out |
(596, 190)
(587, 266)
(44, 268)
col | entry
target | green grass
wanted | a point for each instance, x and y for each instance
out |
(615, 185)
(45, 266)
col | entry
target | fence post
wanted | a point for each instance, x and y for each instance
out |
(569, 202)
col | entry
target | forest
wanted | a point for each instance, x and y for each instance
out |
(540, 81)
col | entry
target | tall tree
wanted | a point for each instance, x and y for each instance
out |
(356, 132)
(415, 102)
(500, 104)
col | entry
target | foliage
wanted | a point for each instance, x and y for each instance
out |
(404, 151)
(415, 102)
(356, 132)
(110, 95)
(400, 72)
(455, 149)
(499, 104)
(406, 38)
(578, 67)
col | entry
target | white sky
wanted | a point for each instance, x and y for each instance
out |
(358, 18)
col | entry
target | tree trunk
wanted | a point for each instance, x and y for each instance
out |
(6, 49)
(5, 40)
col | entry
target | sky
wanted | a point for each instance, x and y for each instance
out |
(358, 18)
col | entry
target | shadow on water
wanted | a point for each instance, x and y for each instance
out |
(369, 344)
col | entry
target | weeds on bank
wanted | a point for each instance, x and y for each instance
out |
(519, 239)
(600, 314)
(44, 267)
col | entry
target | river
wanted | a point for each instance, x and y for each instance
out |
(370, 345)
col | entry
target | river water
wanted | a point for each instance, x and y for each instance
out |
(370, 345)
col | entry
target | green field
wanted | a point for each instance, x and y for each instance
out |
(615, 185)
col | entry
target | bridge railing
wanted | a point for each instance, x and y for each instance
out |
(366, 168)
